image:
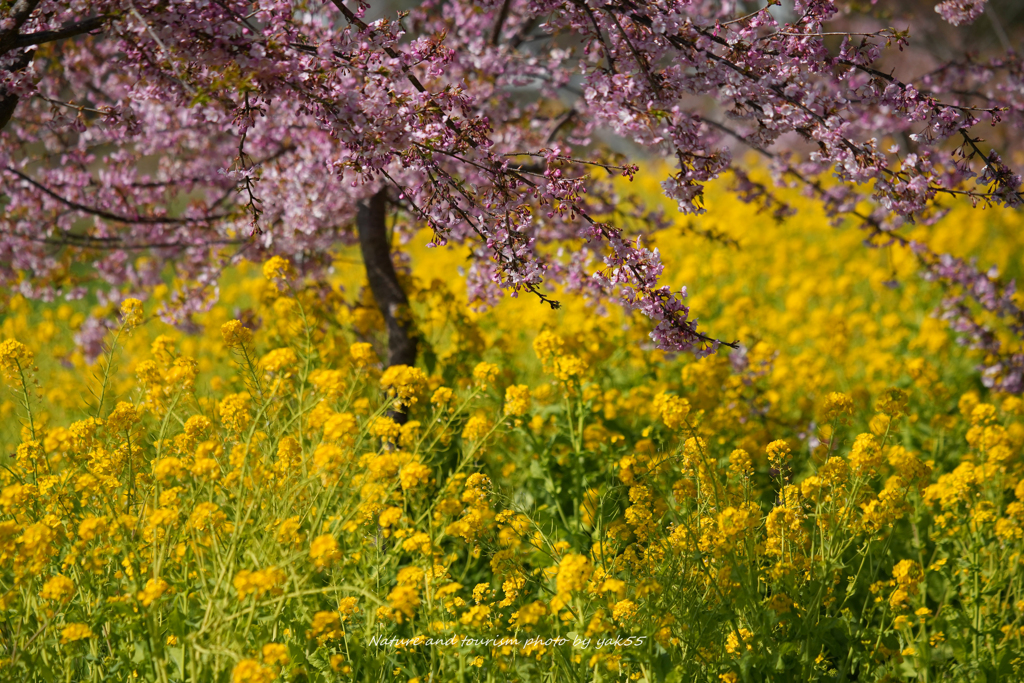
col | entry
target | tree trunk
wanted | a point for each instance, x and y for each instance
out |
(371, 223)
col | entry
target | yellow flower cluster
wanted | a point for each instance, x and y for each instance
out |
(324, 551)
(517, 400)
(59, 588)
(15, 359)
(672, 410)
(403, 383)
(235, 334)
(131, 313)
(279, 361)
(778, 454)
(152, 592)
(269, 581)
(362, 354)
(278, 269)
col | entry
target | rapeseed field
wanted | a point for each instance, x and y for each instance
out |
(544, 497)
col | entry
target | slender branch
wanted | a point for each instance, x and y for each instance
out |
(997, 27)
(880, 34)
(167, 53)
(71, 105)
(690, 325)
(745, 17)
(148, 220)
(996, 171)
(874, 226)
(561, 157)
(114, 243)
(562, 122)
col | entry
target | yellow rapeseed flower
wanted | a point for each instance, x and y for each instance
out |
(234, 412)
(91, 528)
(476, 427)
(442, 396)
(326, 626)
(484, 374)
(567, 368)
(166, 469)
(131, 313)
(251, 671)
(865, 455)
(413, 475)
(517, 400)
(330, 383)
(259, 582)
(836, 405)
(235, 334)
(324, 551)
(275, 654)
(362, 354)
(74, 632)
(280, 361)
(404, 600)
(59, 588)
(403, 383)
(152, 591)
(778, 454)
(277, 268)
(736, 642)
(740, 464)
(385, 429)
(672, 409)
(163, 349)
(892, 403)
(122, 417)
(624, 611)
(287, 531)
(15, 359)
(548, 346)
(573, 572)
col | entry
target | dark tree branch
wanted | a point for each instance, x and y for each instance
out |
(523, 35)
(8, 100)
(502, 16)
(371, 223)
(565, 120)
(68, 30)
(19, 12)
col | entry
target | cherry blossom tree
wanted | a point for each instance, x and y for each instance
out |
(141, 136)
